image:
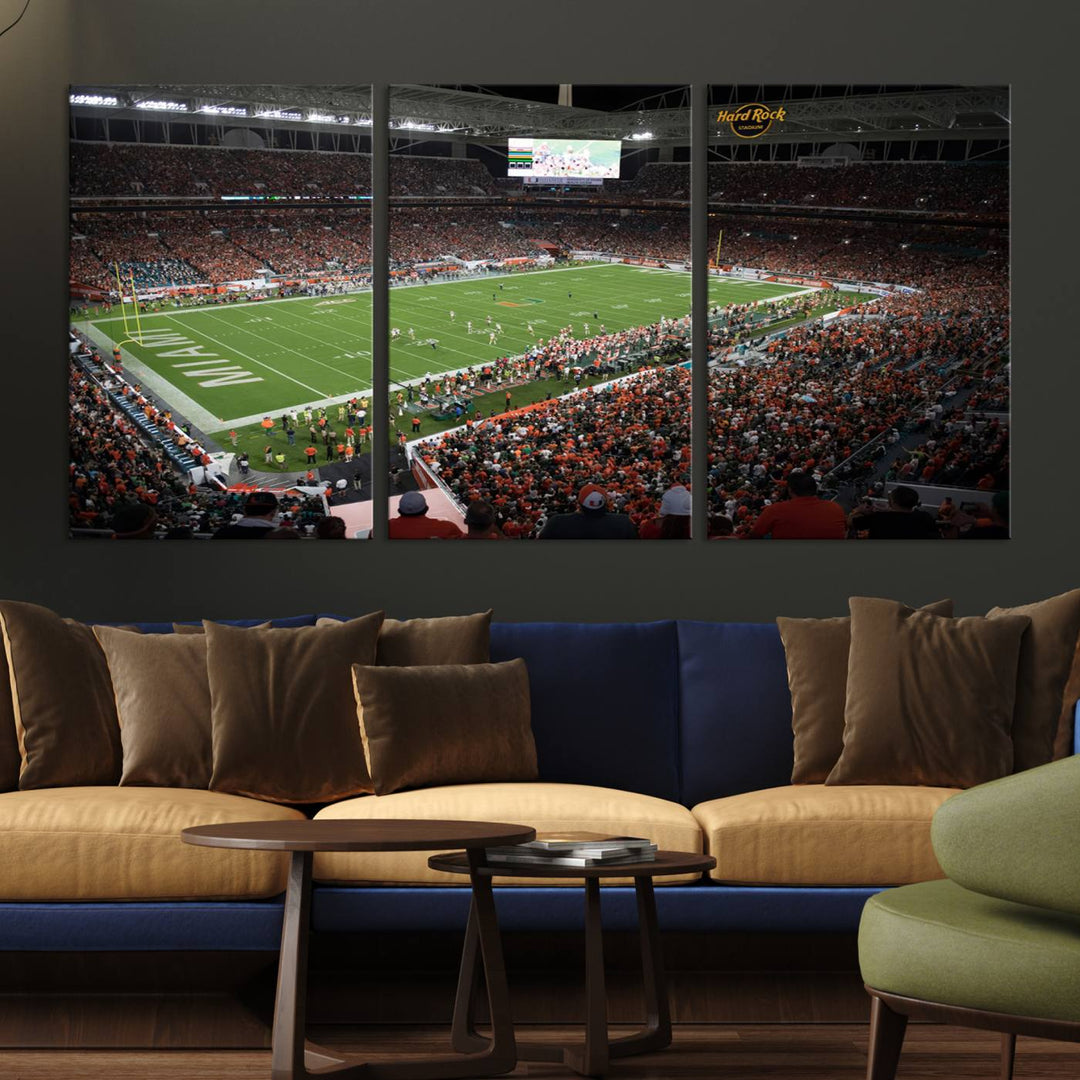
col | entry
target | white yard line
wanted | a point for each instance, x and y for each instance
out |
(295, 352)
(261, 363)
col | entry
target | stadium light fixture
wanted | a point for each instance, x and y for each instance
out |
(279, 114)
(94, 99)
(224, 110)
(156, 105)
(326, 118)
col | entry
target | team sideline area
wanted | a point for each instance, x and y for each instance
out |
(540, 335)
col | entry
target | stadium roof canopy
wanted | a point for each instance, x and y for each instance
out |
(813, 114)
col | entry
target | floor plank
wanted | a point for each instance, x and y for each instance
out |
(699, 1052)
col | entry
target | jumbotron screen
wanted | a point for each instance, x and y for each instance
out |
(564, 160)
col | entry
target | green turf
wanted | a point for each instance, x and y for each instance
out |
(240, 362)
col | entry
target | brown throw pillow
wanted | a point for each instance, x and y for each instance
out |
(283, 713)
(447, 724)
(163, 702)
(9, 739)
(929, 700)
(817, 661)
(197, 628)
(62, 698)
(1046, 656)
(455, 639)
(1064, 740)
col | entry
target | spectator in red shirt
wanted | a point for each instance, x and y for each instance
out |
(412, 522)
(674, 520)
(802, 516)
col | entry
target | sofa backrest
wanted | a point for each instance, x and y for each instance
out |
(605, 701)
(735, 710)
(686, 711)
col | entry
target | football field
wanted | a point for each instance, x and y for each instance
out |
(228, 366)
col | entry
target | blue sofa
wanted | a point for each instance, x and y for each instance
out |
(685, 712)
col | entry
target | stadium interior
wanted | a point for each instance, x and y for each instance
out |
(857, 330)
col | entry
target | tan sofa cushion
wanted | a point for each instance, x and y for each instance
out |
(123, 843)
(546, 807)
(810, 834)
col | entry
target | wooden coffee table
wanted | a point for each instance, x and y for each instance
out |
(591, 1058)
(294, 1059)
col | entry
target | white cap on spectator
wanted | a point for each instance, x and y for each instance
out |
(676, 502)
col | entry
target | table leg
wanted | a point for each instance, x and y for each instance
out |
(463, 1034)
(287, 1056)
(592, 1059)
(294, 1059)
(501, 1055)
(657, 1031)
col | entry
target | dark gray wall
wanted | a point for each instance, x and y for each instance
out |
(328, 41)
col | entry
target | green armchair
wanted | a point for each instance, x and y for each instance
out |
(997, 944)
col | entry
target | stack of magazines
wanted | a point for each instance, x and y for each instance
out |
(575, 849)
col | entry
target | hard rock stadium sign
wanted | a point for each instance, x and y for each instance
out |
(750, 121)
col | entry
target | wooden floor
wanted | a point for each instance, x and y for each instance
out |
(699, 1052)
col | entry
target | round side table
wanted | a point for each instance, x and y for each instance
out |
(591, 1058)
(291, 1057)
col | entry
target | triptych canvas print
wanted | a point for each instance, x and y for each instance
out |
(537, 376)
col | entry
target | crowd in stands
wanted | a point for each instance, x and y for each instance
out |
(127, 169)
(975, 455)
(926, 186)
(632, 437)
(116, 473)
(829, 389)
(215, 246)
(424, 234)
(820, 393)
(439, 176)
(904, 254)
(659, 180)
(111, 464)
(969, 447)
